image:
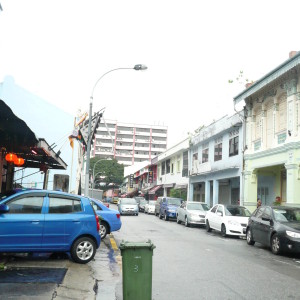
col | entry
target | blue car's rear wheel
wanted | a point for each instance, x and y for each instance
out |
(83, 250)
(103, 230)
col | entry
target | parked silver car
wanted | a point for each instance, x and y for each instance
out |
(192, 213)
(128, 206)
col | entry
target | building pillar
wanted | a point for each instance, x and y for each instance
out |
(207, 192)
(250, 189)
(215, 192)
(263, 126)
(292, 184)
(190, 195)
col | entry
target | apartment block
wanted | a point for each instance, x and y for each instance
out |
(129, 143)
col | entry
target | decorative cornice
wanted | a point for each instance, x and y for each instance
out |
(271, 93)
(291, 86)
(291, 166)
(273, 151)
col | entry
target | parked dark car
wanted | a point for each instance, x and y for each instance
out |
(110, 218)
(142, 205)
(138, 199)
(275, 226)
(168, 207)
(48, 221)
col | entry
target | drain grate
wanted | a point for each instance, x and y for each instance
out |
(33, 275)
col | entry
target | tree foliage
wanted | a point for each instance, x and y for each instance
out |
(178, 193)
(107, 171)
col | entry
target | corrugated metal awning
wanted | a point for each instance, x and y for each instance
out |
(153, 190)
(168, 185)
(180, 186)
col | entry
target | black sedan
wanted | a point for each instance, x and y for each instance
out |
(277, 227)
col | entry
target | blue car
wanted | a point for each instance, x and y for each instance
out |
(48, 221)
(168, 207)
(110, 218)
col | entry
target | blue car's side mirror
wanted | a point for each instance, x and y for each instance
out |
(4, 208)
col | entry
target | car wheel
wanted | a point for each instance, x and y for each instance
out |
(166, 217)
(208, 229)
(186, 223)
(249, 238)
(177, 220)
(223, 230)
(83, 250)
(103, 230)
(275, 244)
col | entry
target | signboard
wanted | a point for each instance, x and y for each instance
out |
(61, 183)
(131, 180)
(150, 177)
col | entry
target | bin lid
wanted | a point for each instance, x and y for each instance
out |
(134, 245)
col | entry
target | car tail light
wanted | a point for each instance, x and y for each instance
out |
(118, 216)
(98, 224)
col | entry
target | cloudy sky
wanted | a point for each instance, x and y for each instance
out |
(58, 49)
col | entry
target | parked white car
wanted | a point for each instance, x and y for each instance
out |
(150, 207)
(192, 213)
(228, 219)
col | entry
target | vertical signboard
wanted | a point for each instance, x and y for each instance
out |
(131, 181)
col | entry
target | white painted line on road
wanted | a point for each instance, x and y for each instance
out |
(208, 250)
(287, 263)
(297, 261)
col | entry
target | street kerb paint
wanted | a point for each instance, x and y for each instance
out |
(116, 250)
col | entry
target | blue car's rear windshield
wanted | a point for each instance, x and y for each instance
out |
(175, 201)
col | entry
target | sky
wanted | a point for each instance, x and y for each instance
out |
(58, 50)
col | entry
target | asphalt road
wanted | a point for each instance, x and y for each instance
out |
(189, 263)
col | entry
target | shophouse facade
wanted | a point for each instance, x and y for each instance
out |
(272, 155)
(172, 168)
(215, 162)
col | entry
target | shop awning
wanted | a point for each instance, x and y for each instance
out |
(168, 185)
(17, 137)
(180, 186)
(155, 189)
(147, 189)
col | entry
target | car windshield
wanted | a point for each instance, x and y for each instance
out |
(128, 201)
(197, 206)
(287, 215)
(151, 202)
(174, 201)
(237, 211)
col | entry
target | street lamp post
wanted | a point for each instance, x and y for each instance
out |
(97, 173)
(87, 165)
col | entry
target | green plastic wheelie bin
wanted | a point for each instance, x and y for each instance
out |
(137, 270)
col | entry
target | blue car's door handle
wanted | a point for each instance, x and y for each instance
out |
(76, 221)
(35, 221)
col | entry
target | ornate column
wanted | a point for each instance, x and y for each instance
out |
(275, 119)
(263, 126)
(291, 89)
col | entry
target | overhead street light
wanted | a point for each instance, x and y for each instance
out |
(93, 185)
(138, 67)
